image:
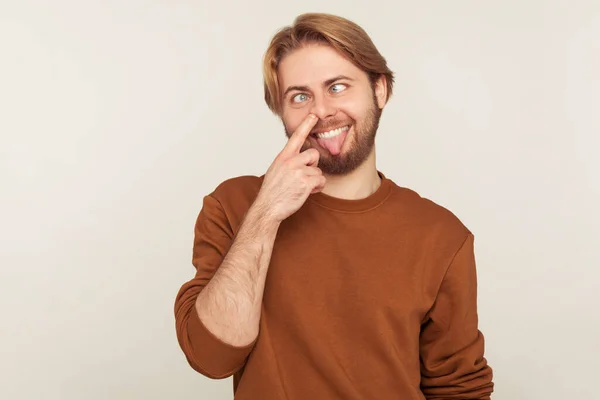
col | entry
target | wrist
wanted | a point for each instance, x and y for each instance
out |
(261, 218)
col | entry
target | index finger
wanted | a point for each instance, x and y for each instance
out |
(299, 136)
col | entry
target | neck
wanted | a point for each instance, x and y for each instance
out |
(358, 184)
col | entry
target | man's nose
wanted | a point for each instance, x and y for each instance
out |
(323, 107)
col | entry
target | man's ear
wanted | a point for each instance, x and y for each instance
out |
(381, 90)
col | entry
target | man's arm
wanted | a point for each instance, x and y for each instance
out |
(229, 306)
(218, 312)
(453, 365)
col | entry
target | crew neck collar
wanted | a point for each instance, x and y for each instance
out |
(355, 205)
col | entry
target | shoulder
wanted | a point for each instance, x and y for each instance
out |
(430, 218)
(238, 189)
(235, 195)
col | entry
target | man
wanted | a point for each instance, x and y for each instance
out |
(323, 279)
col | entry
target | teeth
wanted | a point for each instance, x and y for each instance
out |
(332, 133)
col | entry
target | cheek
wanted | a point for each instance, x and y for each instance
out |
(355, 109)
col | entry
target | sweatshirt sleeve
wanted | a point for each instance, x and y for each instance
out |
(206, 353)
(453, 365)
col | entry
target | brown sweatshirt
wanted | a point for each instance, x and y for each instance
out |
(365, 299)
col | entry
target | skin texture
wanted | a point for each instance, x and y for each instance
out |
(307, 77)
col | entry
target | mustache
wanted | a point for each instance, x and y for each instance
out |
(330, 124)
(323, 125)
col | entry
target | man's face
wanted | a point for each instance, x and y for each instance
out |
(317, 79)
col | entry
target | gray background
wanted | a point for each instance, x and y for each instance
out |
(117, 117)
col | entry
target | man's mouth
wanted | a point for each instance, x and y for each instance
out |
(331, 133)
(332, 140)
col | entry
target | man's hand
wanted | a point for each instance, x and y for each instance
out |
(229, 305)
(292, 176)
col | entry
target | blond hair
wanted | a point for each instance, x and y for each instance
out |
(343, 35)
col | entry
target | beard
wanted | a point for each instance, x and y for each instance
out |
(358, 149)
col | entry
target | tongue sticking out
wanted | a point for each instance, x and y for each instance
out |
(334, 144)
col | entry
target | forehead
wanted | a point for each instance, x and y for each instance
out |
(313, 64)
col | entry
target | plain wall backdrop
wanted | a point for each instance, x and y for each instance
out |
(117, 117)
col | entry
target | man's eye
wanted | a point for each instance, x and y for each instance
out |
(338, 87)
(299, 98)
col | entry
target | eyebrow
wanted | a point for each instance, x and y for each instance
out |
(326, 83)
